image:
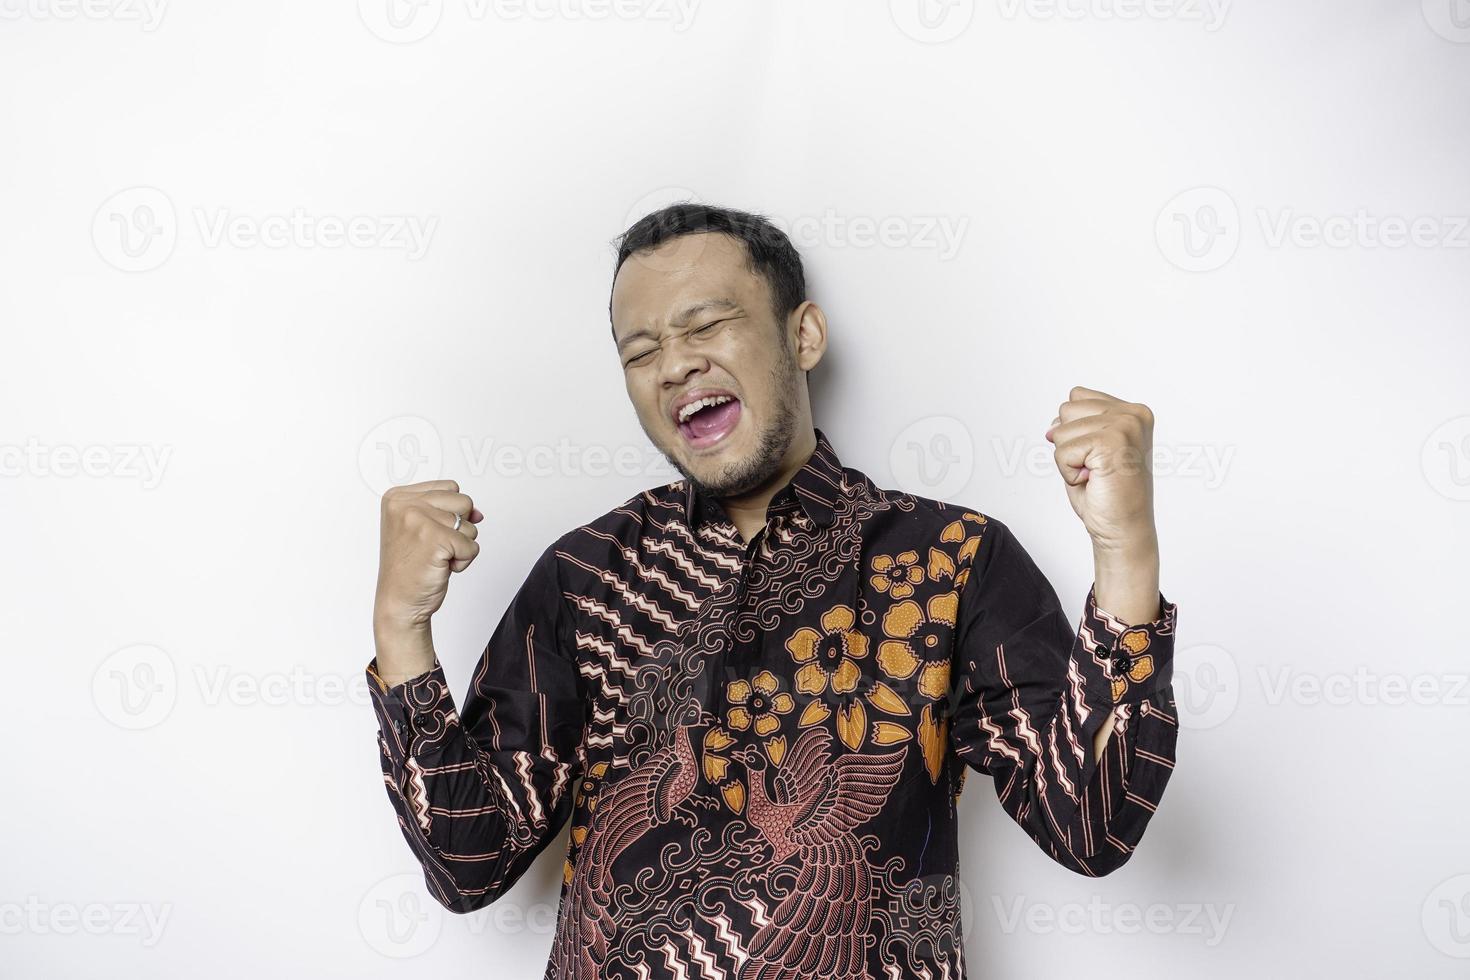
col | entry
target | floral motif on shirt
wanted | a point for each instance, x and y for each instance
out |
(829, 659)
(1139, 665)
(758, 702)
(896, 575)
(915, 646)
(957, 570)
(828, 656)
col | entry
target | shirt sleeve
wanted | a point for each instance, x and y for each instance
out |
(1030, 693)
(479, 794)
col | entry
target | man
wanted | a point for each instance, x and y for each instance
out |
(755, 691)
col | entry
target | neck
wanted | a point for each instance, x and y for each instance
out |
(748, 510)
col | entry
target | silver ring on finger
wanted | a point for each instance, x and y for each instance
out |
(458, 520)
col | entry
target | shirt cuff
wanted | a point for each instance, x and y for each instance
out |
(415, 716)
(1128, 664)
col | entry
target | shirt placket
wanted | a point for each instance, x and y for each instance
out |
(734, 658)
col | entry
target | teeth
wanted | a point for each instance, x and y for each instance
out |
(695, 406)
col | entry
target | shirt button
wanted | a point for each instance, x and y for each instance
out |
(400, 728)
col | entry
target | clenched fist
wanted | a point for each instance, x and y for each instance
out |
(419, 549)
(1103, 449)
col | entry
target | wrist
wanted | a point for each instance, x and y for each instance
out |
(1126, 583)
(1127, 550)
(404, 650)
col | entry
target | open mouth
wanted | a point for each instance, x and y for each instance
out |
(707, 417)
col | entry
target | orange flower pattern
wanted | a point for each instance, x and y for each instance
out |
(897, 575)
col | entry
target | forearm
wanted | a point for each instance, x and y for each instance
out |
(403, 652)
(472, 816)
(1126, 581)
(1126, 586)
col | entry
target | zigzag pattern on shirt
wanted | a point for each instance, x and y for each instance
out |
(597, 673)
(528, 783)
(1054, 740)
(725, 933)
(727, 562)
(702, 957)
(418, 794)
(997, 742)
(655, 575)
(637, 600)
(624, 632)
(682, 560)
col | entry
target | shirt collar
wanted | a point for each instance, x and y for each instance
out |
(815, 488)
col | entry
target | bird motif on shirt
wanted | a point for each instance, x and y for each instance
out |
(818, 930)
(648, 797)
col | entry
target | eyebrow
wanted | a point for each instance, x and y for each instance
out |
(685, 315)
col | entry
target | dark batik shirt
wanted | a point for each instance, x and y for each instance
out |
(760, 745)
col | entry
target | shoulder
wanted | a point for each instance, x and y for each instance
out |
(599, 540)
(946, 520)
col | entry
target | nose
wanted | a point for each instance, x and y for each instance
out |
(679, 362)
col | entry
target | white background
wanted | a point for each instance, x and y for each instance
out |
(1209, 208)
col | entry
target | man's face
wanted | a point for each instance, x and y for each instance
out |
(694, 326)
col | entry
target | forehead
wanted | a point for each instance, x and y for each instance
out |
(653, 287)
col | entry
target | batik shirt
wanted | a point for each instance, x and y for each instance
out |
(760, 744)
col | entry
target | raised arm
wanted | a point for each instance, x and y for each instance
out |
(478, 793)
(1031, 694)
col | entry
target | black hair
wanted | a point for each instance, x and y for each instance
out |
(769, 252)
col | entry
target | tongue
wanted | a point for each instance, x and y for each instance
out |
(709, 421)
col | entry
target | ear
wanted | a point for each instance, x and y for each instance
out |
(810, 325)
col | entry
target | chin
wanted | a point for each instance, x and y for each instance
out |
(736, 464)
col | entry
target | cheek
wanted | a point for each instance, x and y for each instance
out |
(644, 396)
